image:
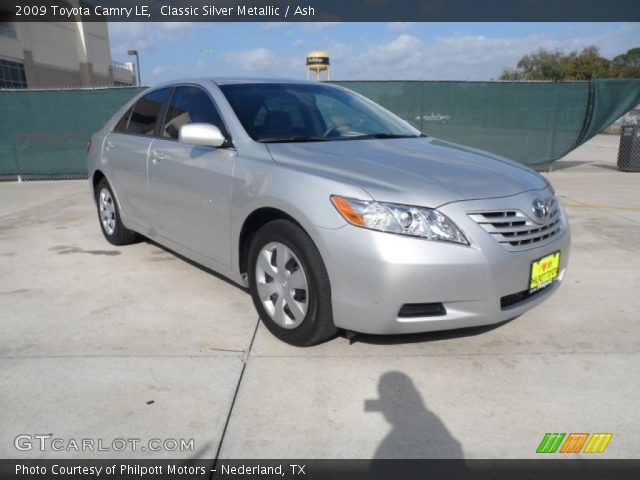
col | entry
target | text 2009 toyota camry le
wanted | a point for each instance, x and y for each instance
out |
(333, 211)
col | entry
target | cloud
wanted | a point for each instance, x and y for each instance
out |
(145, 36)
(317, 27)
(275, 25)
(400, 27)
(403, 54)
(162, 71)
(468, 57)
(263, 62)
(260, 59)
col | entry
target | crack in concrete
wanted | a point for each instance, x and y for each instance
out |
(244, 358)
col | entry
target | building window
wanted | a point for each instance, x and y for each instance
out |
(7, 31)
(12, 75)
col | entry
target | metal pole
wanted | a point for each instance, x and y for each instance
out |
(135, 52)
(138, 63)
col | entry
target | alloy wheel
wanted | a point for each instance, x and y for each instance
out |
(282, 285)
(107, 211)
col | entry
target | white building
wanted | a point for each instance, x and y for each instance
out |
(59, 54)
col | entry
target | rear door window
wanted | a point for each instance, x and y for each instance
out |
(190, 105)
(146, 112)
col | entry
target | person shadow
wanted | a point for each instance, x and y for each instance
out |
(416, 433)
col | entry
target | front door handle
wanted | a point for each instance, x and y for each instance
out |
(156, 156)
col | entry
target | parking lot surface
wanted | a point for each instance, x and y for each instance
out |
(105, 342)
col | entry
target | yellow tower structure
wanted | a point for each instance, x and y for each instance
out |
(318, 61)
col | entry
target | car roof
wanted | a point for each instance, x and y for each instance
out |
(233, 81)
(240, 80)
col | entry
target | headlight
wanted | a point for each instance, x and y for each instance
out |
(403, 219)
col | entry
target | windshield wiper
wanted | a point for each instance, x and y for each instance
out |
(301, 138)
(381, 135)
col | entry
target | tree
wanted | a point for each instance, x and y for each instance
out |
(542, 65)
(627, 64)
(584, 65)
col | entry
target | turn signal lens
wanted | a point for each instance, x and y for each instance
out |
(402, 219)
(347, 211)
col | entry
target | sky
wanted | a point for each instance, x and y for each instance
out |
(358, 51)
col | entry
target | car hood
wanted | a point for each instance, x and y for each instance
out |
(419, 171)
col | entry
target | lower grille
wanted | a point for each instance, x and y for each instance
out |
(516, 298)
(516, 231)
(422, 310)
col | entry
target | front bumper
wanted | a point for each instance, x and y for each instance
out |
(373, 274)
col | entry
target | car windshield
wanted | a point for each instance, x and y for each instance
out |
(280, 112)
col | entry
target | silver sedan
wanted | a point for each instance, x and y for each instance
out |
(335, 213)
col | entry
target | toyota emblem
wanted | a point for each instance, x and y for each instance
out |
(540, 209)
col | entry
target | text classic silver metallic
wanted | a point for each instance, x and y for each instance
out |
(335, 213)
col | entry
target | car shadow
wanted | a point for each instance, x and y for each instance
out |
(195, 264)
(420, 337)
(354, 336)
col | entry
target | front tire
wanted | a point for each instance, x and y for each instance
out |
(289, 284)
(109, 215)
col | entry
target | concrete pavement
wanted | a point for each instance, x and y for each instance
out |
(111, 342)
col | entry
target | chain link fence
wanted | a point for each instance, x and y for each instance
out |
(629, 151)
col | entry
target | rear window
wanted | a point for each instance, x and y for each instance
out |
(146, 112)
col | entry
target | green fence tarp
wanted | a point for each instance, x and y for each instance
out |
(531, 122)
(610, 100)
(46, 132)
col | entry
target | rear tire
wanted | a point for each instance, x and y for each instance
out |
(289, 284)
(109, 216)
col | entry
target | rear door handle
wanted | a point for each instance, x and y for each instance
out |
(108, 145)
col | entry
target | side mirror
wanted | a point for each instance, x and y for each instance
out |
(203, 134)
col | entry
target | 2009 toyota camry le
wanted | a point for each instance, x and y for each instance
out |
(335, 213)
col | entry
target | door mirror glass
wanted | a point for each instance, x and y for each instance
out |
(203, 134)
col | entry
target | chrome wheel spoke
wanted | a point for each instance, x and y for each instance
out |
(283, 255)
(264, 262)
(279, 315)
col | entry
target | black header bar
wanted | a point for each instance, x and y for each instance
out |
(547, 469)
(320, 10)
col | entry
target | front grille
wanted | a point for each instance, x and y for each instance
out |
(515, 231)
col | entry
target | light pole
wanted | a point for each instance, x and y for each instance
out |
(135, 52)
